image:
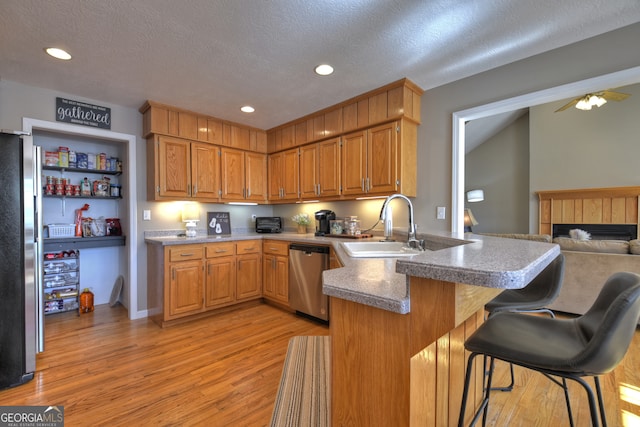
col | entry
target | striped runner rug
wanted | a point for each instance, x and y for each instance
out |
(303, 397)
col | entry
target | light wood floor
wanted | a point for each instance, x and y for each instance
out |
(224, 371)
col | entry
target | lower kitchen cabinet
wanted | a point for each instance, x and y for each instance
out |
(220, 278)
(187, 280)
(249, 270)
(183, 280)
(276, 271)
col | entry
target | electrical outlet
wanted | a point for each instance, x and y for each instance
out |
(146, 215)
(253, 218)
(441, 212)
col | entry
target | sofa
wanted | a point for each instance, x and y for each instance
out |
(588, 264)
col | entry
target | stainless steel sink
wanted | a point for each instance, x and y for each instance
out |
(378, 249)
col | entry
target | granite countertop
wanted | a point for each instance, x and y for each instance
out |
(471, 259)
(383, 282)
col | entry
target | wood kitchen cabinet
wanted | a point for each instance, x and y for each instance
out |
(320, 169)
(220, 280)
(179, 169)
(380, 160)
(183, 281)
(249, 270)
(369, 161)
(284, 175)
(243, 175)
(276, 271)
(192, 279)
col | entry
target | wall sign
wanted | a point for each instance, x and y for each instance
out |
(218, 223)
(81, 113)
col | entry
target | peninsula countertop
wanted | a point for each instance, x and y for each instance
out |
(384, 282)
(486, 261)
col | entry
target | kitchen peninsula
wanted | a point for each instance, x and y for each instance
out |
(398, 327)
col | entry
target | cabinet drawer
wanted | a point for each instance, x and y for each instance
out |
(276, 247)
(185, 252)
(219, 249)
(248, 247)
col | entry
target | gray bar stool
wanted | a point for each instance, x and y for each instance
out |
(590, 345)
(533, 298)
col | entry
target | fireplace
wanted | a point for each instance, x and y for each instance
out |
(600, 231)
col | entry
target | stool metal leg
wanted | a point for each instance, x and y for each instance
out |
(484, 405)
(603, 416)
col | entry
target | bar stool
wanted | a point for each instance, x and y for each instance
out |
(590, 345)
(533, 298)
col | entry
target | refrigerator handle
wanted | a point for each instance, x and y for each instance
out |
(39, 253)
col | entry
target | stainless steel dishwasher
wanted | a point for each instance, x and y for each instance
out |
(306, 264)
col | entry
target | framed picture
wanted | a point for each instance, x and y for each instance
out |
(218, 223)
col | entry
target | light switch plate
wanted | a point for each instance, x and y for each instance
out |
(441, 212)
(146, 215)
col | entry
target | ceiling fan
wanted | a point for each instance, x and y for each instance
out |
(598, 99)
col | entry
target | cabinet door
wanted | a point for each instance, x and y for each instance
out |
(354, 163)
(309, 171)
(329, 168)
(205, 162)
(248, 276)
(185, 288)
(381, 159)
(268, 277)
(290, 175)
(274, 170)
(256, 176)
(233, 173)
(220, 282)
(174, 167)
(281, 279)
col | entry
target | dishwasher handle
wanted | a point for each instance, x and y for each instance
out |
(309, 248)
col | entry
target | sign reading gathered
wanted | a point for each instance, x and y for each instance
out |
(81, 113)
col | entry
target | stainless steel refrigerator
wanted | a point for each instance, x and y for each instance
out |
(21, 309)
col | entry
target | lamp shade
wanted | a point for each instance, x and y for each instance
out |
(475, 196)
(190, 212)
(469, 219)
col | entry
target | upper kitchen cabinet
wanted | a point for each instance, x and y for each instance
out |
(160, 119)
(380, 160)
(395, 101)
(284, 175)
(320, 169)
(243, 176)
(179, 169)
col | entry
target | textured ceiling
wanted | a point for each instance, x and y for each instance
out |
(212, 56)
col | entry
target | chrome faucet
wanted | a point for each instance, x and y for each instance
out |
(385, 215)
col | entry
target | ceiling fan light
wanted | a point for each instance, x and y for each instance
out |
(583, 104)
(599, 101)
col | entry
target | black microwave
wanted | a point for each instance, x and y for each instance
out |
(268, 224)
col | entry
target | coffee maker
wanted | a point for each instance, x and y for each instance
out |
(323, 224)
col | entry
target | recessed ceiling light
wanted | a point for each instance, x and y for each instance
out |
(247, 109)
(324, 69)
(58, 53)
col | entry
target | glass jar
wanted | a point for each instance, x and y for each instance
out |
(352, 225)
(336, 226)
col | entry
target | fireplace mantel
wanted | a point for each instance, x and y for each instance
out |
(616, 205)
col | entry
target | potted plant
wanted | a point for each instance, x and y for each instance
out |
(302, 219)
